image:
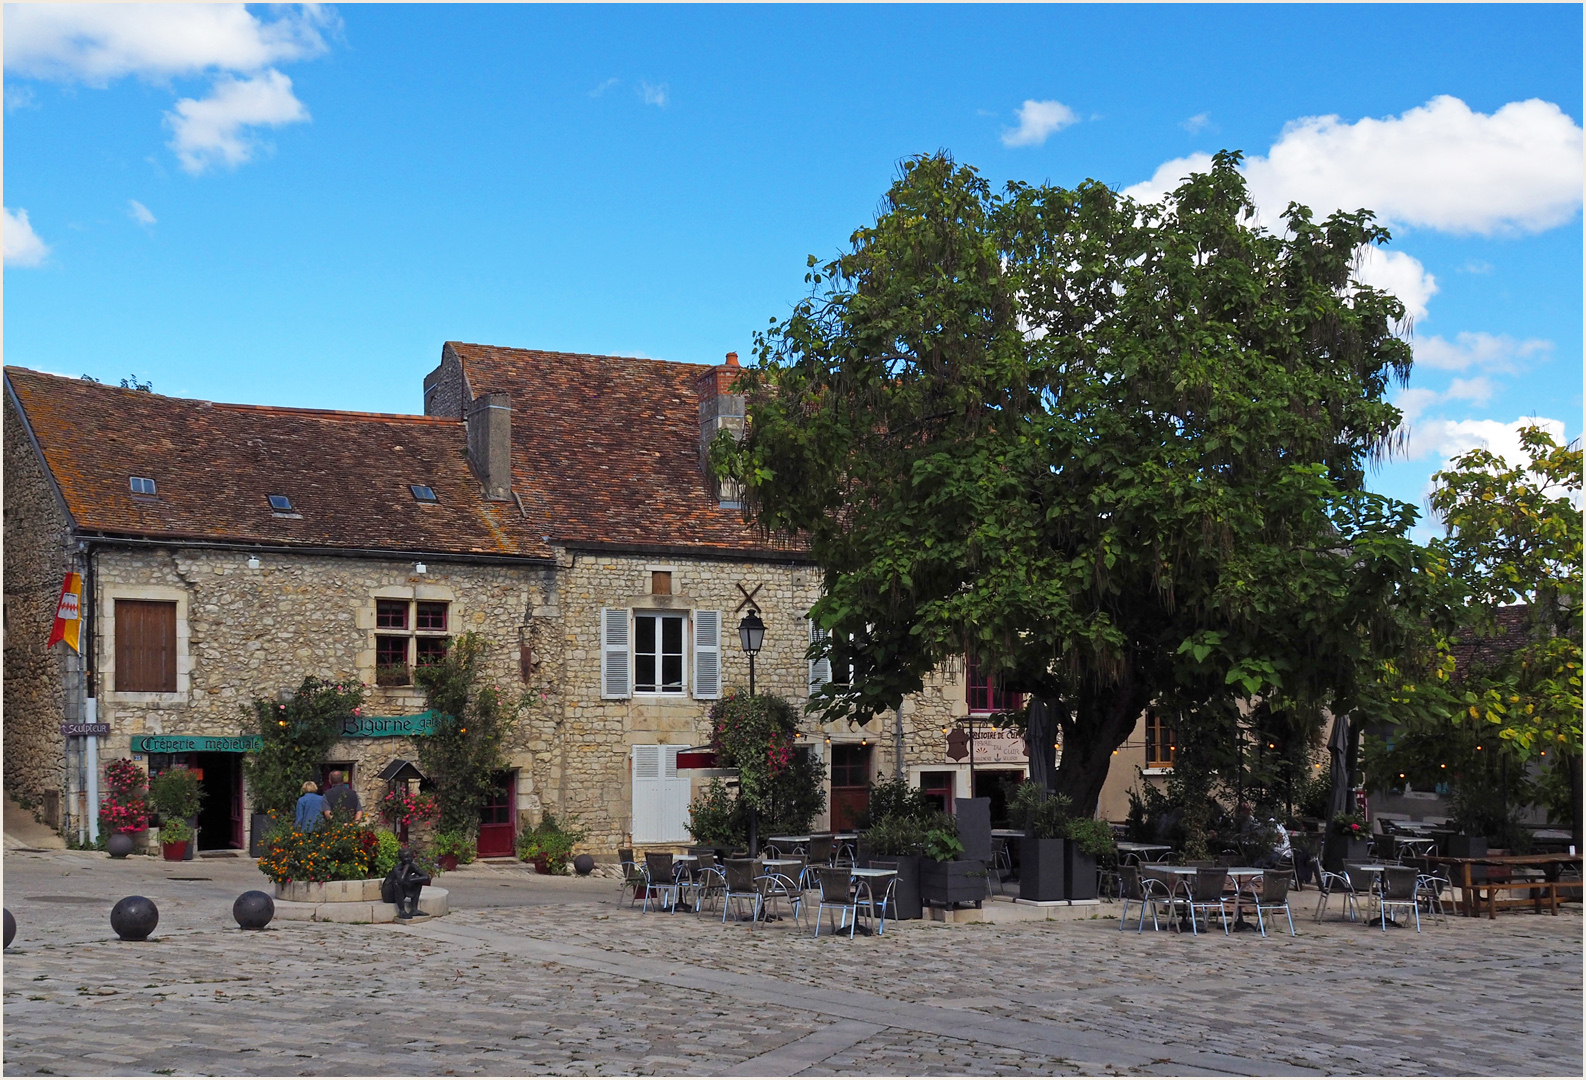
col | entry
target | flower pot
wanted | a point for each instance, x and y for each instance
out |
(119, 844)
(949, 883)
(447, 862)
(542, 864)
(906, 898)
(175, 850)
(1042, 869)
(1079, 873)
(1339, 849)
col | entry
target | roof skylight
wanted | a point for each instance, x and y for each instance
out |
(423, 493)
(142, 485)
(281, 504)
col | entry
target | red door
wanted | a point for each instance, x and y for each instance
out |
(498, 818)
(850, 784)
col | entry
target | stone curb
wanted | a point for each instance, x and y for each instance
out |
(433, 902)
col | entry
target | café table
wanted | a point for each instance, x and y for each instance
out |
(1243, 876)
(1552, 865)
(1418, 847)
(1142, 851)
(791, 843)
(870, 877)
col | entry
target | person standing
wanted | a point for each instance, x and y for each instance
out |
(341, 800)
(310, 807)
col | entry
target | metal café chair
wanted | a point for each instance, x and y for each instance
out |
(1429, 891)
(739, 875)
(821, 849)
(1274, 896)
(889, 895)
(1331, 881)
(709, 886)
(778, 888)
(1203, 892)
(634, 879)
(1148, 892)
(837, 894)
(661, 881)
(1400, 892)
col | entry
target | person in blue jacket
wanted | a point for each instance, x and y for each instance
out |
(310, 807)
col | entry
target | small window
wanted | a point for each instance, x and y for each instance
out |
(431, 615)
(280, 504)
(431, 650)
(660, 583)
(658, 654)
(391, 614)
(422, 493)
(391, 661)
(142, 485)
(1161, 742)
(986, 695)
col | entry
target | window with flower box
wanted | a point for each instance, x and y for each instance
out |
(408, 633)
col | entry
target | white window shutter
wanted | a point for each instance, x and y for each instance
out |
(675, 791)
(648, 827)
(707, 654)
(615, 660)
(820, 670)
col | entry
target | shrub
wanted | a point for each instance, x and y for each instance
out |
(896, 799)
(943, 845)
(1041, 815)
(333, 851)
(176, 794)
(454, 842)
(551, 840)
(1351, 825)
(124, 808)
(463, 753)
(896, 835)
(1091, 835)
(755, 736)
(175, 831)
(296, 736)
(400, 807)
(387, 847)
(716, 818)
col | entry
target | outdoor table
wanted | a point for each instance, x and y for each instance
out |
(1468, 888)
(792, 843)
(868, 875)
(1141, 851)
(1381, 872)
(776, 865)
(1011, 834)
(1418, 846)
(1241, 875)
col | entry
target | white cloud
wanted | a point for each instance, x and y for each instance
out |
(1450, 438)
(97, 43)
(140, 213)
(212, 130)
(1196, 123)
(1441, 166)
(22, 245)
(1487, 352)
(19, 97)
(1397, 273)
(603, 87)
(1038, 120)
(654, 93)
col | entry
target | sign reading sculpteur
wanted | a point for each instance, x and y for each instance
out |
(195, 744)
(991, 745)
(387, 727)
(85, 729)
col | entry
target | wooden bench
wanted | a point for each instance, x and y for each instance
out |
(1538, 891)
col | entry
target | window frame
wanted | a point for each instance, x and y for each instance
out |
(658, 687)
(997, 699)
(1158, 731)
(409, 634)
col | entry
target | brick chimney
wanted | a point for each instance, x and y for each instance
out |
(719, 410)
(489, 418)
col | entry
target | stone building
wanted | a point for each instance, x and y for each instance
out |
(555, 503)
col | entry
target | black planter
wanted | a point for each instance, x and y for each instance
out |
(906, 898)
(119, 844)
(949, 883)
(11, 927)
(258, 825)
(1337, 850)
(1043, 869)
(1079, 873)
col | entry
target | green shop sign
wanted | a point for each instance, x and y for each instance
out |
(195, 744)
(386, 727)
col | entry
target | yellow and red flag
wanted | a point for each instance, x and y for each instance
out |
(68, 613)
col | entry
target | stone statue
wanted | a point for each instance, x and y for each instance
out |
(403, 885)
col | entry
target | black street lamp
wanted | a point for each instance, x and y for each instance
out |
(751, 635)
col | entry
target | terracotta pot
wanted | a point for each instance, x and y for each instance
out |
(175, 851)
(542, 863)
(447, 862)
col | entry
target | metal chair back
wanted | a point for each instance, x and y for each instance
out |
(1129, 883)
(836, 885)
(740, 874)
(820, 849)
(1207, 884)
(1401, 882)
(1275, 888)
(659, 864)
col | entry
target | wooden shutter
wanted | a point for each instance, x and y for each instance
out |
(647, 794)
(707, 654)
(146, 646)
(675, 791)
(615, 660)
(821, 669)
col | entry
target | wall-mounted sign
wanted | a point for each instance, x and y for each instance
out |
(85, 729)
(195, 744)
(68, 613)
(387, 727)
(991, 746)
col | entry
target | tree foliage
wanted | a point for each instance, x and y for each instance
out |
(296, 737)
(471, 722)
(1114, 451)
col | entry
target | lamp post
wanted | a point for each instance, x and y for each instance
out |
(751, 636)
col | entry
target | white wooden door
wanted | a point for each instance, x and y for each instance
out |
(660, 795)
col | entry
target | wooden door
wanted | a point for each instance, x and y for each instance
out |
(498, 818)
(850, 784)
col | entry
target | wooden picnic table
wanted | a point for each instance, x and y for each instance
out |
(1470, 898)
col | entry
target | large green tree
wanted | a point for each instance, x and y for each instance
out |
(1115, 451)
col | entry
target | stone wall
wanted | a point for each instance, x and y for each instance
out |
(36, 562)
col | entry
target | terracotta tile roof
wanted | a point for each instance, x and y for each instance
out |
(609, 448)
(1487, 651)
(346, 473)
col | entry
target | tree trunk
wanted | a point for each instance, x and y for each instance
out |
(1101, 723)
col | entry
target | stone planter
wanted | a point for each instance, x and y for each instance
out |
(174, 850)
(1079, 873)
(906, 898)
(1042, 870)
(950, 883)
(363, 890)
(1337, 850)
(348, 902)
(120, 844)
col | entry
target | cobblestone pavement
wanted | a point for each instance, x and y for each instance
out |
(538, 976)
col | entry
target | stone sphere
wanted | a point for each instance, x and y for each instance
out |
(253, 910)
(583, 864)
(119, 845)
(134, 918)
(11, 927)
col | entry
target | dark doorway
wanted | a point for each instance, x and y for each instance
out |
(850, 784)
(220, 817)
(996, 784)
(498, 818)
(938, 789)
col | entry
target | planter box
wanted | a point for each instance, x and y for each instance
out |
(174, 850)
(949, 883)
(363, 890)
(1337, 850)
(1467, 847)
(1043, 869)
(1079, 873)
(906, 899)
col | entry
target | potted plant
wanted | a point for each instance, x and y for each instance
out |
(944, 877)
(550, 843)
(452, 848)
(900, 839)
(125, 813)
(176, 794)
(1043, 852)
(174, 837)
(1088, 840)
(1346, 841)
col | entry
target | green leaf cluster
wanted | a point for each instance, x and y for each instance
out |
(553, 839)
(296, 737)
(176, 794)
(463, 752)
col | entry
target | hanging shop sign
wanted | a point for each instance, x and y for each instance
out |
(991, 746)
(195, 744)
(68, 613)
(387, 727)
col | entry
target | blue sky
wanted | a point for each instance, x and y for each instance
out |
(298, 206)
